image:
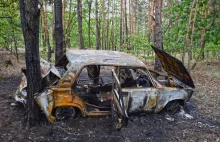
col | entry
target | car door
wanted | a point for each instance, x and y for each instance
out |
(119, 113)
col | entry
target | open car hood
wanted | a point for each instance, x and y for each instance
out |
(174, 67)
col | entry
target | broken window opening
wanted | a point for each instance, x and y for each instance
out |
(133, 77)
(94, 86)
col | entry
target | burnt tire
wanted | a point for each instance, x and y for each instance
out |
(65, 113)
(173, 107)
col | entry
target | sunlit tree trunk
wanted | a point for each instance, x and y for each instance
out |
(122, 24)
(192, 37)
(42, 33)
(103, 25)
(97, 24)
(63, 22)
(202, 42)
(131, 14)
(188, 27)
(151, 21)
(126, 23)
(68, 30)
(137, 17)
(145, 19)
(44, 17)
(89, 22)
(177, 24)
(203, 31)
(107, 29)
(113, 25)
(63, 13)
(158, 33)
(53, 29)
(79, 13)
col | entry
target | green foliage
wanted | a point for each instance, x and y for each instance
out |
(174, 33)
(10, 29)
(174, 27)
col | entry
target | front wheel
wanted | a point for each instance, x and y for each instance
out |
(173, 106)
(63, 113)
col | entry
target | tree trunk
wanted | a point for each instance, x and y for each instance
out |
(126, 23)
(203, 31)
(30, 20)
(137, 17)
(79, 13)
(192, 36)
(113, 27)
(107, 29)
(58, 29)
(158, 33)
(42, 33)
(103, 25)
(131, 13)
(187, 32)
(68, 30)
(202, 42)
(63, 14)
(89, 25)
(145, 19)
(44, 17)
(97, 24)
(151, 21)
(202, 46)
(63, 23)
(122, 24)
(53, 29)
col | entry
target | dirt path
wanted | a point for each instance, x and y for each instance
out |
(204, 107)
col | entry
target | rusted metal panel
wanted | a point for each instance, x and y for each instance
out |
(21, 93)
(140, 100)
(45, 101)
(149, 99)
(46, 68)
(169, 94)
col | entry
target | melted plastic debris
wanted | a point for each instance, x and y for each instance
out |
(183, 114)
(168, 117)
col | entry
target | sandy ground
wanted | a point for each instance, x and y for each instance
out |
(204, 107)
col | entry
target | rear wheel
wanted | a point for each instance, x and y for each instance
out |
(63, 113)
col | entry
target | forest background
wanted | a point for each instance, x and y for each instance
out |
(190, 28)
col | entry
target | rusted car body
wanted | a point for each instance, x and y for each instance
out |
(99, 83)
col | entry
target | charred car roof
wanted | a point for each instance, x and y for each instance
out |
(80, 58)
(74, 60)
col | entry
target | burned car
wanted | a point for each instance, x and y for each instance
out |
(100, 83)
